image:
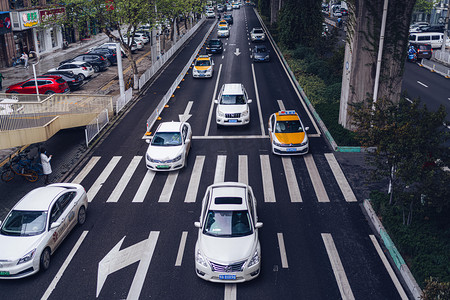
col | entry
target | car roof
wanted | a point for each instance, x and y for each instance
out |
(169, 127)
(39, 199)
(204, 57)
(233, 89)
(287, 115)
(260, 46)
(228, 189)
(75, 62)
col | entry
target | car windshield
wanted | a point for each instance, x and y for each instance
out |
(214, 43)
(228, 223)
(288, 126)
(24, 223)
(260, 50)
(257, 31)
(167, 139)
(232, 99)
(203, 63)
(223, 28)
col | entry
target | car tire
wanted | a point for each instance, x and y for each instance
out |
(81, 215)
(82, 77)
(96, 69)
(44, 260)
(49, 92)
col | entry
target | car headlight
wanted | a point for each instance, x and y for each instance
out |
(245, 113)
(148, 157)
(277, 144)
(177, 158)
(267, 57)
(220, 114)
(200, 259)
(254, 260)
(27, 257)
(304, 143)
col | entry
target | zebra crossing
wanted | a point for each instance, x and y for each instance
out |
(222, 167)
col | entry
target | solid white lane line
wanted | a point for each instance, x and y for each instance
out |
(338, 269)
(230, 292)
(66, 263)
(284, 262)
(291, 179)
(208, 123)
(194, 182)
(123, 182)
(168, 187)
(219, 176)
(144, 186)
(102, 178)
(144, 263)
(281, 104)
(388, 267)
(221, 137)
(181, 249)
(87, 168)
(266, 172)
(321, 193)
(422, 84)
(243, 169)
(409, 100)
(258, 103)
(340, 178)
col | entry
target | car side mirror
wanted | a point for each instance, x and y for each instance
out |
(213, 63)
(188, 141)
(148, 140)
(197, 224)
(216, 101)
(249, 101)
(306, 128)
(0, 222)
(55, 225)
(258, 225)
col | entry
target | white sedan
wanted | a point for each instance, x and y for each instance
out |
(81, 68)
(227, 248)
(169, 146)
(37, 225)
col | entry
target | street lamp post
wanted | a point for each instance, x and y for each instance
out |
(34, 73)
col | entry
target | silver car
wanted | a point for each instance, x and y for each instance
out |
(227, 248)
(37, 225)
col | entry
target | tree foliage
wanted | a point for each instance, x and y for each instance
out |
(425, 5)
(435, 290)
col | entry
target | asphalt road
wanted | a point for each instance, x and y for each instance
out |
(328, 253)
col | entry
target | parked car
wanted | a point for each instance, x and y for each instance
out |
(423, 50)
(142, 36)
(81, 68)
(97, 61)
(257, 34)
(260, 53)
(111, 46)
(74, 81)
(214, 46)
(137, 44)
(435, 28)
(108, 53)
(46, 85)
(36, 227)
(228, 18)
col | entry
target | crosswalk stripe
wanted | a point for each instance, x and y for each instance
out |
(87, 168)
(219, 176)
(243, 169)
(194, 182)
(338, 268)
(168, 187)
(340, 178)
(284, 261)
(122, 184)
(321, 193)
(291, 179)
(181, 249)
(144, 186)
(266, 173)
(102, 178)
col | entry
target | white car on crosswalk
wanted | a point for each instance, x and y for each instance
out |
(169, 147)
(227, 248)
(37, 225)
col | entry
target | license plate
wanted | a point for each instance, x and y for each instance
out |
(291, 149)
(227, 277)
(163, 167)
(232, 121)
(3, 273)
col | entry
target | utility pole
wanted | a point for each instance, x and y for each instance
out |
(444, 42)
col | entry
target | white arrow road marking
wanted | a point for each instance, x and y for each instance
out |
(237, 53)
(118, 259)
(422, 84)
(185, 116)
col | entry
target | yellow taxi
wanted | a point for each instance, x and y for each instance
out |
(287, 133)
(223, 23)
(203, 67)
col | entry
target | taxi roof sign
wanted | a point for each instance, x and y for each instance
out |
(286, 112)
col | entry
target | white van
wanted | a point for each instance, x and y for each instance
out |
(435, 39)
(232, 105)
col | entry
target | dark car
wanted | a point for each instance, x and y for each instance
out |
(74, 81)
(48, 84)
(98, 61)
(228, 18)
(436, 28)
(260, 53)
(423, 50)
(214, 46)
(108, 53)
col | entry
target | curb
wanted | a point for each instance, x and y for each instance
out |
(395, 255)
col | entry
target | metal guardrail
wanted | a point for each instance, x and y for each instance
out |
(153, 117)
(435, 67)
(122, 101)
(95, 126)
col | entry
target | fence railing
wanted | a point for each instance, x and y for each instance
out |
(442, 56)
(435, 67)
(96, 125)
(122, 101)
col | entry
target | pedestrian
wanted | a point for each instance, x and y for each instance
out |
(1, 78)
(46, 167)
(25, 59)
(339, 20)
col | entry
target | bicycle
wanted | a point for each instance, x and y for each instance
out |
(30, 162)
(14, 167)
(18, 62)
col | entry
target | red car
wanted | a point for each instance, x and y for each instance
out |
(49, 84)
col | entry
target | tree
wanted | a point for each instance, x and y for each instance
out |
(408, 141)
(425, 5)
(435, 290)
